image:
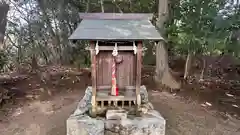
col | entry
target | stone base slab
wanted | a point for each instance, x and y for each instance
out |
(149, 121)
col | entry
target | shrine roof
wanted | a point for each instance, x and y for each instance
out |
(109, 26)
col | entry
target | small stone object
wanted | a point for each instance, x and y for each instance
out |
(85, 104)
(144, 108)
(116, 114)
(144, 94)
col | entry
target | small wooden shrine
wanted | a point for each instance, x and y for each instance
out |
(116, 45)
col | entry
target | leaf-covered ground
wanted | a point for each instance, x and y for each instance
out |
(42, 102)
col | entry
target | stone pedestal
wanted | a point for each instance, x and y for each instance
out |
(149, 121)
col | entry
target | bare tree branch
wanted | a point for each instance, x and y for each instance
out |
(87, 7)
(119, 8)
(13, 44)
(102, 6)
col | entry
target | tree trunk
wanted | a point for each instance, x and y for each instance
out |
(203, 69)
(188, 65)
(149, 58)
(163, 74)
(55, 49)
(34, 63)
(63, 33)
(3, 21)
(44, 54)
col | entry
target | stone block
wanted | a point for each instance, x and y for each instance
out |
(150, 123)
(84, 125)
(116, 114)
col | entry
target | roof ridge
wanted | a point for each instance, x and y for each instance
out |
(116, 16)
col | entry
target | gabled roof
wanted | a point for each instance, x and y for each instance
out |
(108, 26)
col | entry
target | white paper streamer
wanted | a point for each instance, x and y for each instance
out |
(115, 51)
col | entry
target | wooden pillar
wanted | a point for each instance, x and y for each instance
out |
(94, 79)
(138, 75)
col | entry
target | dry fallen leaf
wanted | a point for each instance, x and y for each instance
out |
(207, 103)
(230, 95)
(235, 106)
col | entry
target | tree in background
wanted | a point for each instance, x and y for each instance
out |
(3, 21)
(163, 74)
(203, 28)
(37, 31)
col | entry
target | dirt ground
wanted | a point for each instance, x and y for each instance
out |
(44, 109)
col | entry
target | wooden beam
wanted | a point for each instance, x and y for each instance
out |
(115, 98)
(139, 69)
(93, 69)
(110, 48)
(108, 87)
